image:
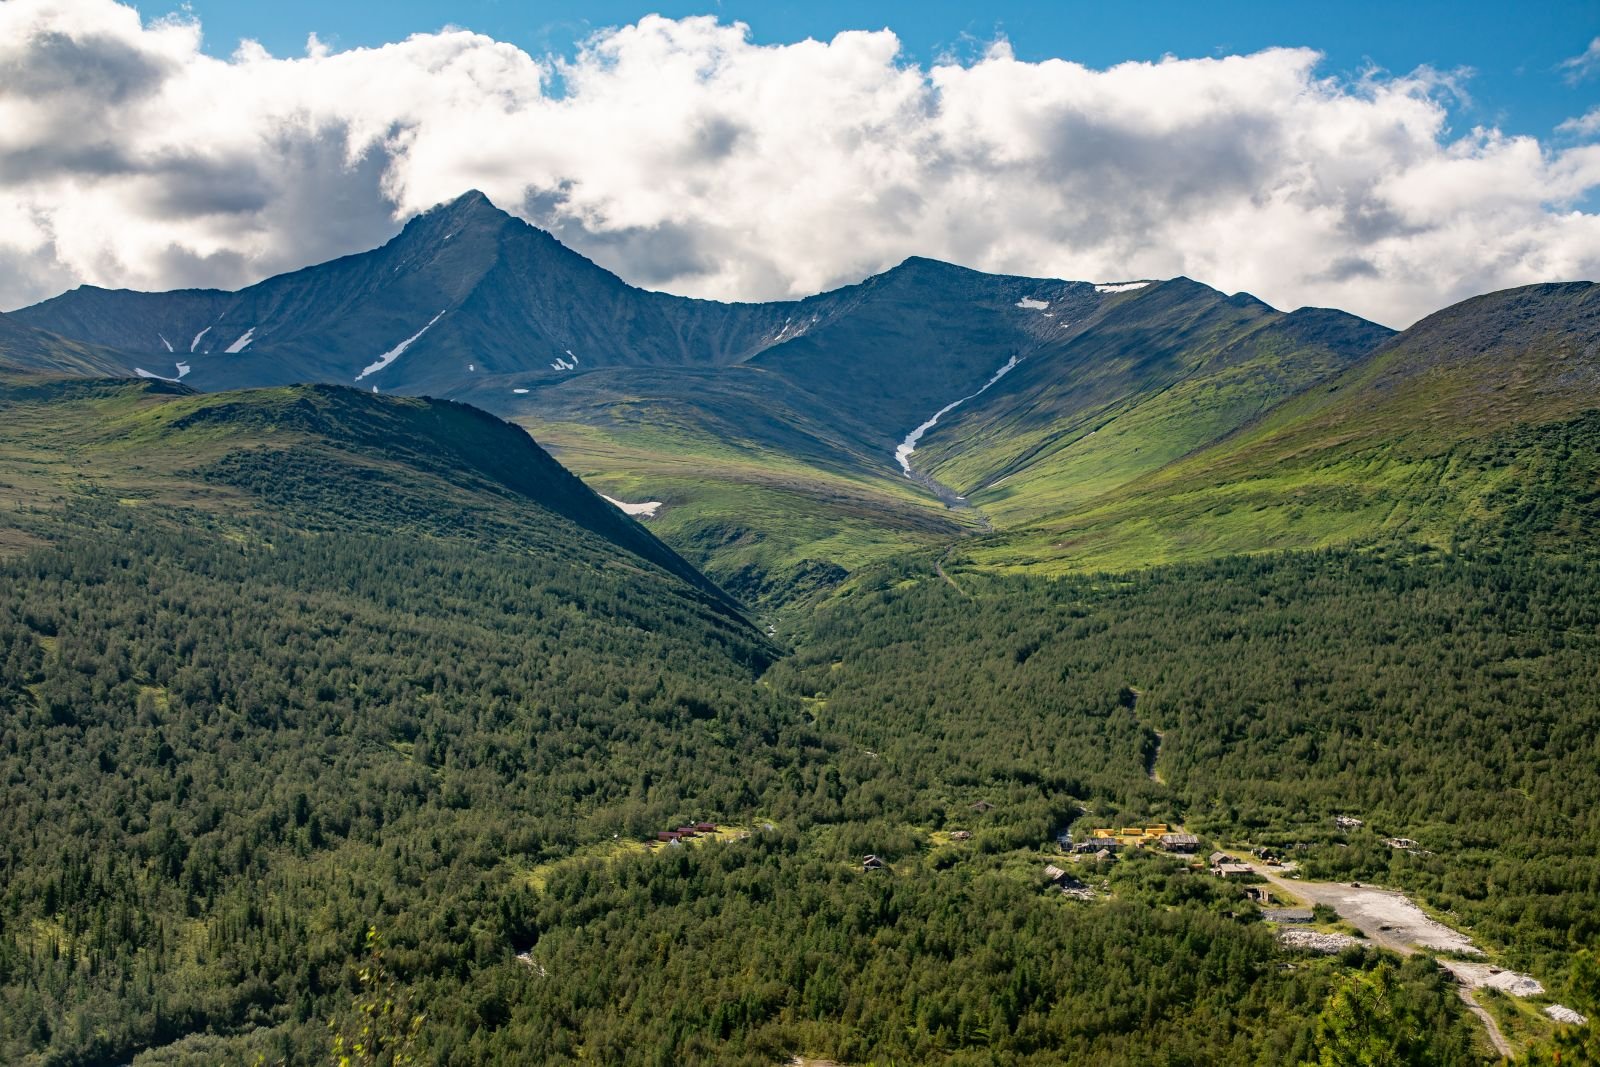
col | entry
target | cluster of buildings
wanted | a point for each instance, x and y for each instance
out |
(1160, 835)
(1132, 836)
(1098, 850)
(1104, 842)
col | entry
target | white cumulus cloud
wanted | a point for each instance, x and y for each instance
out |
(687, 158)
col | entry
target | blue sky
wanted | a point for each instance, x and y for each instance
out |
(1385, 159)
(1514, 51)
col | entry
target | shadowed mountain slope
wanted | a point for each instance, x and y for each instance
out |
(464, 292)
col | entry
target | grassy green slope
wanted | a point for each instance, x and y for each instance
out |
(1134, 343)
(769, 501)
(1407, 443)
(307, 447)
(1153, 430)
(1155, 374)
(25, 349)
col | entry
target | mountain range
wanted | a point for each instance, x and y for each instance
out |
(1069, 424)
(339, 706)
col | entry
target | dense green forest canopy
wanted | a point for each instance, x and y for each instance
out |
(312, 680)
(1446, 698)
(233, 758)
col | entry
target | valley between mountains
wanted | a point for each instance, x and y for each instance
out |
(372, 634)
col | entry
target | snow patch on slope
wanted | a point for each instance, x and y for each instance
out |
(183, 368)
(239, 345)
(791, 330)
(1119, 287)
(397, 351)
(902, 454)
(193, 344)
(165, 341)
(1030, 302)
(648, 509)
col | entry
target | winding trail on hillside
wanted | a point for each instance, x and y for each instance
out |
(1496, 1038)
(1393, 928)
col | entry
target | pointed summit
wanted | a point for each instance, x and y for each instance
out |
(468, 204)
(470, 211)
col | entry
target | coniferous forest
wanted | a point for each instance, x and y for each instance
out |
(364, 765)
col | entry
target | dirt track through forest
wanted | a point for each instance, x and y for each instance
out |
(1390, 920)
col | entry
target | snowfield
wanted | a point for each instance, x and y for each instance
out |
(648, 509)
(902, 454)
(398, 350)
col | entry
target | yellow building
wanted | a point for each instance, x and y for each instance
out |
(1133, 835)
